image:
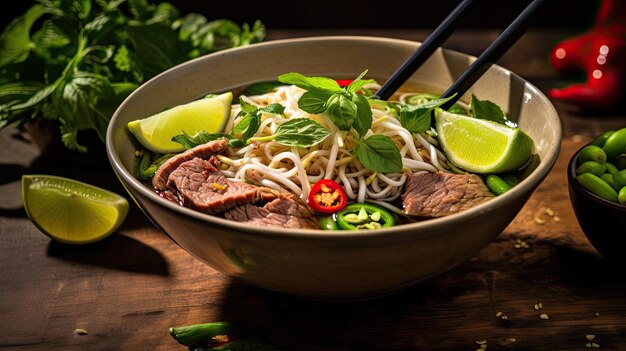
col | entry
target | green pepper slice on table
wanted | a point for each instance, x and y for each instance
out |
(364, 216)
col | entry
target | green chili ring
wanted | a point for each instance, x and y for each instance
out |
(364, 216)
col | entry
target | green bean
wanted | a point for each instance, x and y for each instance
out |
(591, 153)
(591, 167)
(497, 185)
(620, 161)
(615, 144)
(621, 197)
(601, 140)
(619, 179)
(610, 168)
(597, 186)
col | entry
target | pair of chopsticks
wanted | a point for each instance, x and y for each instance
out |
(493, 53)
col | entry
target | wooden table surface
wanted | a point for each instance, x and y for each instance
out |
(127, 290)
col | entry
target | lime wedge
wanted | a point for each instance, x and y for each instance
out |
(209, 114)
(69, 211)
(482, 146)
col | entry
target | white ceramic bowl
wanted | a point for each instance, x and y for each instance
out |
(314, 263)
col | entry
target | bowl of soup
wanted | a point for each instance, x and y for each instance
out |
(314, 188)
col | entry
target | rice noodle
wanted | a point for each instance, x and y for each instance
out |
(291, 169)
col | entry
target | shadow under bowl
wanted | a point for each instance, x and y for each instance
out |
(602, 221)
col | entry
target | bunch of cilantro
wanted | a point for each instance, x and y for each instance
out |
(74, 61)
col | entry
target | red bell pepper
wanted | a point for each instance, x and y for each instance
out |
(327, 196)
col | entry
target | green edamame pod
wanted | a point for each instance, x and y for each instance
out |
(597, 186)
(615, 144)
(601, 140)
(610, 168)
(619, 179)
(591, 167)
(608, 178)
(497, 185)
(621, 196)
(591, 153)
(620, 161)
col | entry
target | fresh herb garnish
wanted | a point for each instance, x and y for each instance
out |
(485, 109)
(348, 110)
(417, 118)
(344, 106)
(379, 154)
(299, 132)
(200, 138)
(250, 119)
(73, 62)
(422, 98)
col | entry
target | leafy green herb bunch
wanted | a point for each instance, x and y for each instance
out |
(74, 61)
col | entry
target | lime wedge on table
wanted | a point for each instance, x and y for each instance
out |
(209, 114)
(482, 146)
(70, 211)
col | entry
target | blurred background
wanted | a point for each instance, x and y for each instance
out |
(333, 14)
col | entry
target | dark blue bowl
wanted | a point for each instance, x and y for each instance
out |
(602, 221)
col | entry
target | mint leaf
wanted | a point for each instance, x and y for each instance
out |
(417, 119)
(485, 109)
(310, 83)
(314, 101)
(363, 120)
(342, 111)
(247, 107)
(379, 153)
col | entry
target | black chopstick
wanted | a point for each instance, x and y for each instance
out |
(430, 44)
(493, 53)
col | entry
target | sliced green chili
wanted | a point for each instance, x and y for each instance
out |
(364, 216)
(200, 334)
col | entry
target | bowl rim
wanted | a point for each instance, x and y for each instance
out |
(571, 177)
(532, 181)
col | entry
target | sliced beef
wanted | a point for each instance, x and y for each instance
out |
(441, 194)
(199, 185)
(284, 211)
(204, 151)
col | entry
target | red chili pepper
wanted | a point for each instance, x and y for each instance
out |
(327, 196)
(344, 82)
(601, 53)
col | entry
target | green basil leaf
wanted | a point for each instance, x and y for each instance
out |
(276, 109)
(363, 120)
(379, 153)
(253, 126)
(359, 82)
(417, 118)
(485, 109)
(342, 111)
(300, 132)
(314, 101)
(310, 83)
